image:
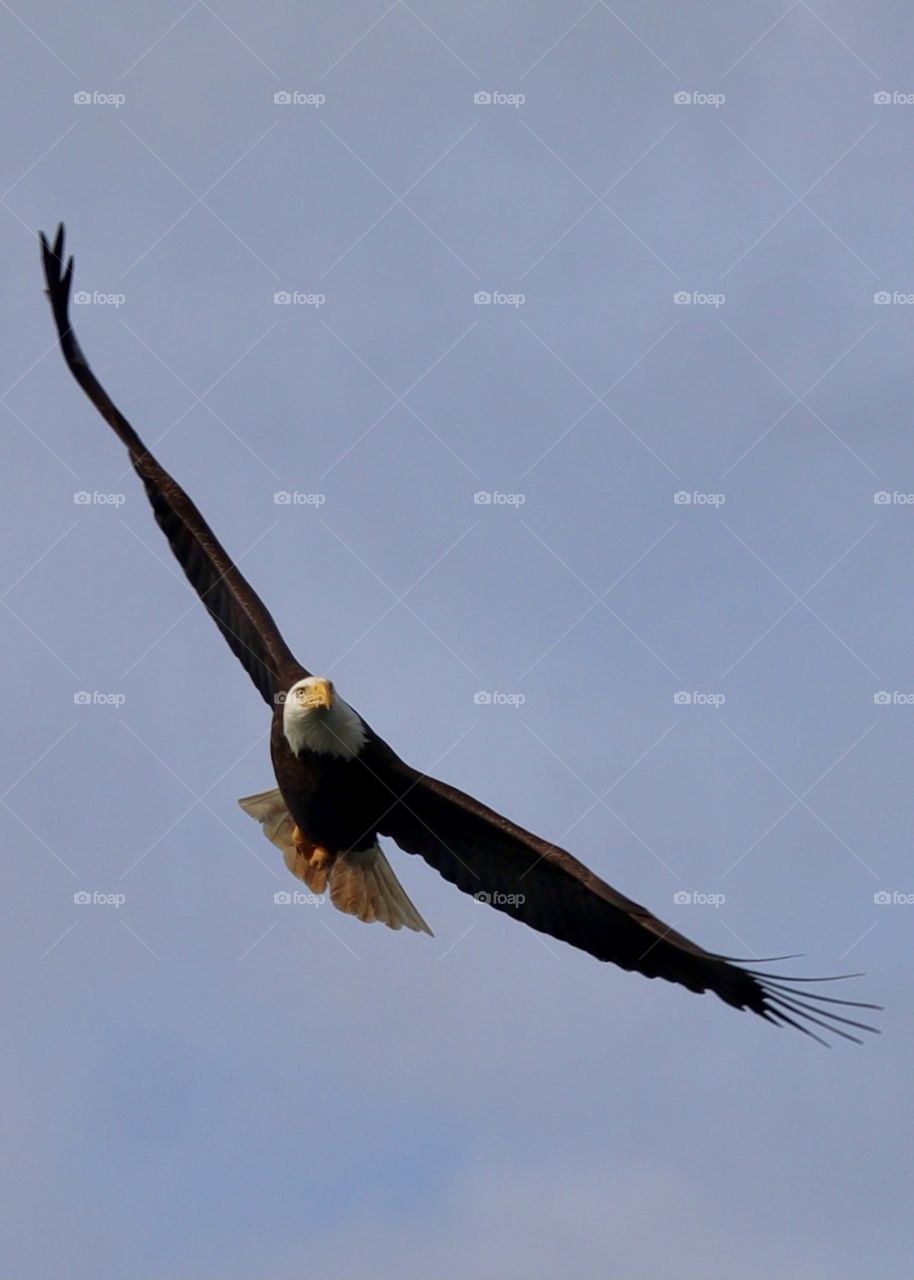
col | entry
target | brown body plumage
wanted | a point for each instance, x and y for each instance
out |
(336, 804)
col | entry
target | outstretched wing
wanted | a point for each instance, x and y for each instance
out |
(235, 608)
(544, 887)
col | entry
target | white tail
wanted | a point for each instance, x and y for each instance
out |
(361, 884)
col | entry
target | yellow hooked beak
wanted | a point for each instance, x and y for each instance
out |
(317, 694)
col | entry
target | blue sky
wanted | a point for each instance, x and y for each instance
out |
(667, 252)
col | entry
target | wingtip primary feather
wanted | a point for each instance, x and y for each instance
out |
(58, 275)
(55, 252)
(783, 1004)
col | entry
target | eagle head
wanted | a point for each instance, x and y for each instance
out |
(315, 718)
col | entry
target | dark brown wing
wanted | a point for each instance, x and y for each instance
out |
(236, 610)
(546, 888)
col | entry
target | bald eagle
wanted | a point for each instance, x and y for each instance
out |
(340, 786)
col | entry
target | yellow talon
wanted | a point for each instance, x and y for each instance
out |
(317, 861)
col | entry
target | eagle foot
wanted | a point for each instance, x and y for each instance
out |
(315, 855)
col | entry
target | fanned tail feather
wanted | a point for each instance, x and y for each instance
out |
(361, 884)
(364, 885)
